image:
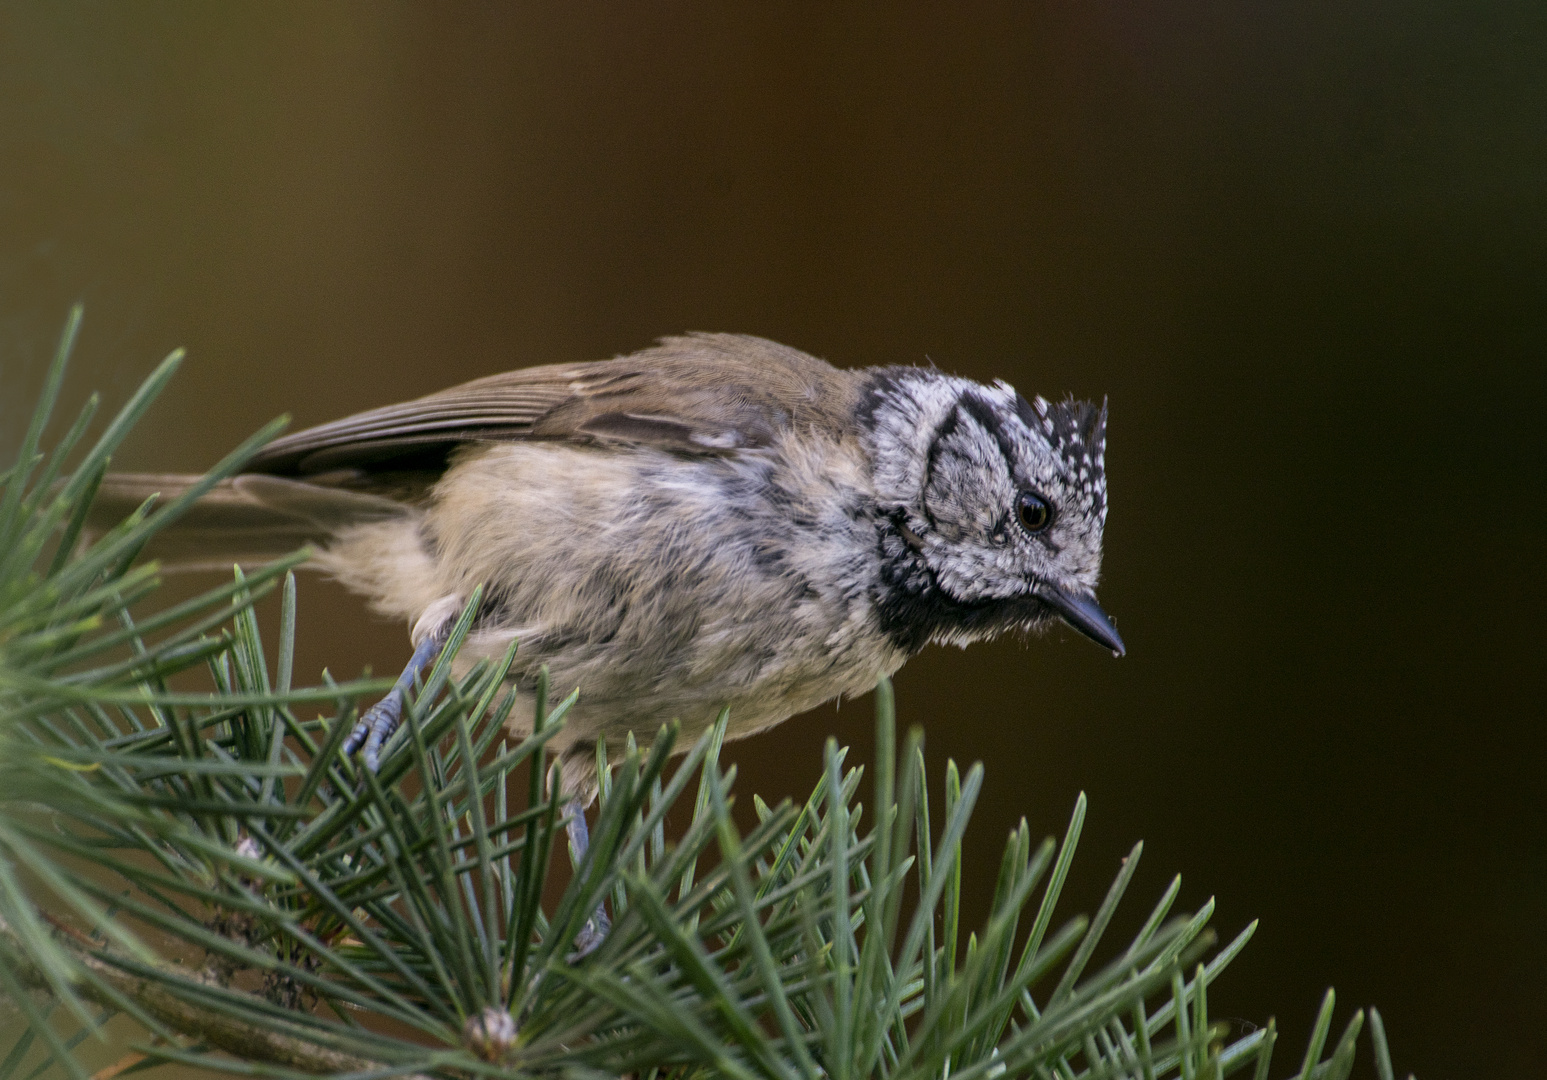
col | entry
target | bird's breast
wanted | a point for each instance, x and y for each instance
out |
(666, 586)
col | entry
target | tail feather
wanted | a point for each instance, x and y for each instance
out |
(246, 519)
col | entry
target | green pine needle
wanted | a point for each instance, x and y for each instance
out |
(202, 868)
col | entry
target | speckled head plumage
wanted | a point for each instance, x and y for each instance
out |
(995, 507)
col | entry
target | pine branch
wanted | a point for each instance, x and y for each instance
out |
(393, 923)
(109, 979)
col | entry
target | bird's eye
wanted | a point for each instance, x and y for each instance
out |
(1033, 511)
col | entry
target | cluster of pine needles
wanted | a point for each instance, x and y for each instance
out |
(200, 878)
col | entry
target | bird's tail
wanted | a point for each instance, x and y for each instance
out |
(245, 519)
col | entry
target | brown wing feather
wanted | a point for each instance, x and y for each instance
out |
(497, 406)
(246, 519)
(701, 393)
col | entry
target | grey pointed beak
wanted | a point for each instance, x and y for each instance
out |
(1081, 611)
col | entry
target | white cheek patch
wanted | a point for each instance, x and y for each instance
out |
(912, 411)
(969, 485)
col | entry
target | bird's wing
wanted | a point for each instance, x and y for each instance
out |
(697, 394)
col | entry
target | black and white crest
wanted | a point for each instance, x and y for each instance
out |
(1077, 432)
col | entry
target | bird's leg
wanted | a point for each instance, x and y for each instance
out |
(594, 932)
(579, 835)
(382, 718)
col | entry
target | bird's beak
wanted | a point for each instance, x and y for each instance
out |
(1081, 611)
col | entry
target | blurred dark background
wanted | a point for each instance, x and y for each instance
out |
(1302, 246)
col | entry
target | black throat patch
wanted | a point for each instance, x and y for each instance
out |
(913, 610)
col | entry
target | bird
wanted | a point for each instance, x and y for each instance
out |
(715, 522)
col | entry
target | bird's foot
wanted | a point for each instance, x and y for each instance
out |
(374, 728)
(591, 935)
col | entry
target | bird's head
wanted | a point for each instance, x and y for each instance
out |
(993, 507)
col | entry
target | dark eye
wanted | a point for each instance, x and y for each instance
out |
(1033, 511)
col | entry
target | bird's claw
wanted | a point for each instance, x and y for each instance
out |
(373, 729)
(591, 936)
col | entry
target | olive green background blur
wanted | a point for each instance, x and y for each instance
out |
(1302, 247)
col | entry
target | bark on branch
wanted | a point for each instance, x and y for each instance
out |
(245, 1041)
